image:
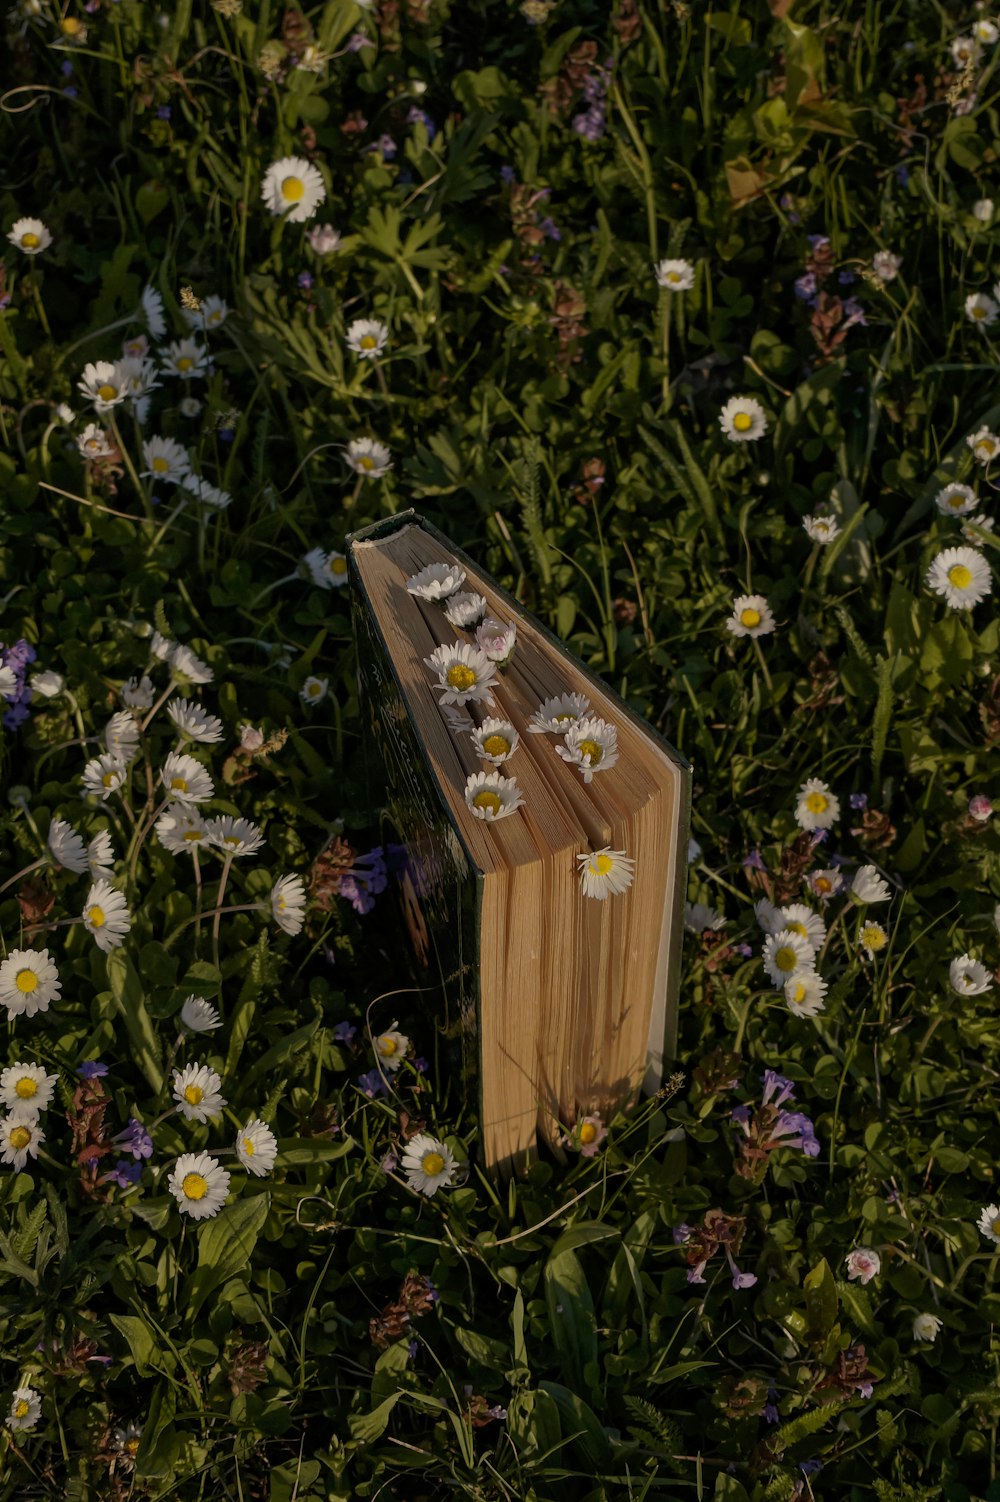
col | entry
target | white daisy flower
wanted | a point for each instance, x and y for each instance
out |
(367, 337)
(199, 1016)
(25, 1408)
(438, 581)
(189, 406)
(495, 740)
(195, 723)
(199, 1184)
(391, 1048)
(862, 1264)
(872, 939)
(323, 238)
(980, 520)
(698, 917)
(29, 981)
(234, 837)
(956, 500)
(101, 856)
(886, 265)
(20, 1138)
(30, 235)
(26, 1087)
(465, 610)
(106, 916)
(257, 1147)
(314, 690)
(47, 683)
(989, 1223)
(181, 829)
(985, 31)
(137, 376)
(185, 358)
(185, 779)
(207, 493)
(591, 745)
(743, 419)
(94, 443)
(768, 916)
(676, 276)
(68, 849)
(312, 59)
(465, 675)
(211, 313)
(166, 460)
(491, 796)
(198, 1092)
(288, 903)
(457, 720)
(968, 977)
(802, 920)
(751, 616)
(497, 640)
(982, 210)
(138, 693)
(8, 683)
(162, 647)
(822, 529)
(605, 873)
(785, 953)
(151, 312)
(185, 664)
(427, 1164)
(368, 457)
(966, 51)
(961, 576)
(293, 187)
(927, 1327)
(556, 716)
(984, 444)
(104, 775)
(868, 886)
(121, 735)
(804, 991)
(817, 808)
(327, 570)
(127, 1439)
(825, 884)
(981, 309)
(100, 385)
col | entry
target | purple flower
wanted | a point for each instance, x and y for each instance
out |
(858, 800)
(17, 658)
(754, 861)
(810, 1467)
(417, 116)
(136, 1139)
(163, 112)
(799, 1131)
(854, 312)
(818, 242)
(740, 1279)
(740, 1116)
(304, 280)
(372, 1084)
(344, 1032)
(846, 278)
(389, 1163)
(357, 40)
(902, 174)
(71, 93)
(66, 68)
(124, 1174)
(695, 1273)
(776, 1088)
(92, 1069)
(805, 286)
(865, 1389)
(682, 1234)
(591, 123)
(507, 175)
(819, 836)
(421, 1065)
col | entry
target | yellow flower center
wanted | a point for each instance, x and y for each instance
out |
(232, 841)
(293, 188)
(70, 26)
(193, 836)
(26, 981)
(985, 446)
(193, 1094)
(29, 241)
(280, 905)
(588, 1132)
(369, 342)
(489, 800)
(601, 865)
(956, 500)
(742, 422)
(194, 1186)
(338, 565)
(799, 993)
(798, 928)
(160, 465)
(786, 958)
(563, 719)
(108, 780)
(461, 677)
(817, 802)
(873, 937)
(996, 1226)
(432, 1164)
(20, 1408)
(107, 392)
(214, 317)
(823, 884)
(132, 1446)
(248, 1146)
(96, 917)
(496, 745)
(26, 1087)
(19, 1138)
(960, 576)
(749, 617)
(178, 784)
(185, 362)
(673, 276)
(366, 462)
(978, 312)
(387, 1046)
(593, 749)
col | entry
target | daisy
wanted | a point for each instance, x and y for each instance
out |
(989, 1223)
(323, 238)
(391, 1048)
(968, 977)
(151, 311)
(127, 1440)
(29, 981)
(981, 309)
(121, 735)
(207, 493)
(768, 916)
(676, 276)
(872, 939)
(106, 916)
(465, 675)
(743, 419)
(194, 723)
(199, 1016)
(886, 265)
(67, 848)
(166, 460)
(211, 313)
(368, 457)
(104, 775)
(189, 406)
(496, 640)
(751, 616)
(862, 1264)
(986, 523)
(293, 187)
(804, 991)
(327, 570)
(465, 610)
(982, 210)
(987, 32)
(457, 720)
(257, 1147)
(605, 873)
(490, 796)
(927, 1327)
(186, 779)
(181, 829)
(438, 581)
(868, 886)
(956, 500)
(961, 576)
(802, 920)
(314, 690)
(47, 683)
(984, 445)
(821, 529)
(30, 235)
(234, 836)
(162, 647)
(101, 856)
(587, 1135)
(25, 1409)
(591, 745)
(817, 808)
(699, 917)
(825, 884)
(786, 952)
(26, 1087)
(20, 1138)
(197, 1091)
(199, 1184)
(185, 358)
(185, 664)
(428, 1164)
(495, 740)
(556, 716)
(965, 51)
(288, 903)
(94, 443)
(100, 385)
(137, 376)
(367, 338)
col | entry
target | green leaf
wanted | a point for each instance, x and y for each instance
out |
(581, 1424)
(161, 1440)
(821, 1300)
(584, 1232)
(366, 1428)
(131, 1003)
(279, 1052)
(225, 1246)
(141, 1342)
(571, 1317)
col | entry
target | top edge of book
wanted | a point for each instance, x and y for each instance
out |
(386, 527)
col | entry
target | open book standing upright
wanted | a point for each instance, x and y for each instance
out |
(545, 830)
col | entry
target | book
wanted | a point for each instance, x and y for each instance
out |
(561, 1004)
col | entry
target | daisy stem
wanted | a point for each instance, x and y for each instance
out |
(741, 1029)
(139, 834)
(763, 665)
(17, 877)
(197, 900)
(133, 473)
(78, 717)
(217, 918)
(381, 377)
(158, 705)
(665, 334)
(108, 328)
(215, 912)
(352, 499)
(36, 294)
(287, 579)
(169, 522)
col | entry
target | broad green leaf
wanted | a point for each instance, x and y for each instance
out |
(131, 1003)
(225, 1246)
(821, 1299)
(571, 1317)
(141, 1342)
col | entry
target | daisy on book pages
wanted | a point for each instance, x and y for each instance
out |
(464, 673)
(555, 716)
(492, 797)
(605, 873)
(438, 581)
(591, 746)
(495, 740)
(497, 640)
(465, 610)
